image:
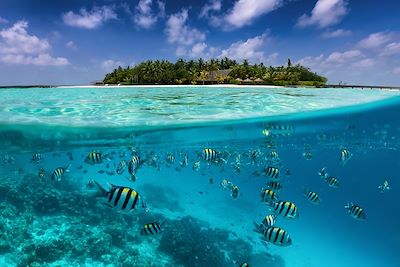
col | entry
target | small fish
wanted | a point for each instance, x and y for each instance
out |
(36, 158)
(59, 172)
(170, 158)
(85, 171)
(332, 182)
(196, 166)
(184, 161)
(266, 132)
(95, 158)
(269, 220)
(134, 164)
(236, 167)
(151, 228)
(323, 173)
(41, 173)
(345, 155)
(384, 187)
(209, 155)
(272, 172)
(274, 235)
(312, 197)
(225, 184)
(235, 191)
(90, 184)
(276, 186)
(356, 211)
(120, 197)
(244, 264)
(211, 180)
(267, 195)
(307, 155)
(121, 167)
(101, 171)
(285, 209)
(273, 155)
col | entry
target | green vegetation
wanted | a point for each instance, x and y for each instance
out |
(214, 71)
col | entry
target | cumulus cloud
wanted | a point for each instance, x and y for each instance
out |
(325, 13)
(144, 16)
(212, 5)
(342, 57)
(109, 64)
(251, 49)
(71, 45)
(336, 33)
(376, 40)
(244, 12)
(17, 46)
(89, 19)
(391, 49)
(364, 63)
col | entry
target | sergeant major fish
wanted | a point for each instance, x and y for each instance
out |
(267, 195)
(121, 167)
(134, 164)
(332, 181)
(312, 197)
(356, 211)
(272, 172)
(269, 220)
(345, 155)
(285, 209)
(36, 158)
(274, 235)
(151, 228)
(59, 173)
(95, 158)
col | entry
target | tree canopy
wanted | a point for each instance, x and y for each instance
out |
(197, 71)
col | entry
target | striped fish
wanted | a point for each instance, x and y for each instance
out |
(307, 155)
(345, 155)
(209, 154)
(59, 172)
(120, 197)
(276, 186)
(235, 191)
(170, 158)
(151, 228)
(332, 182)
(94, 158)
(267, 195)
(274, 235)
(312, 197)
(133, 166)
(356, 211)
(41, 173)
(121, 167)
(36, 158)
(269, 220)
(272, 172)
(285, 209)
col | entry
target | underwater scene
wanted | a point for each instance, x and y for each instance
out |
(205, 176)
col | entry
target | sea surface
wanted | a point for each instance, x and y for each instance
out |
(197, 160)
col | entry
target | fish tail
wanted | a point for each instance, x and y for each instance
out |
(348, 205)
(101, 192)
(257, 227)
(66, 169)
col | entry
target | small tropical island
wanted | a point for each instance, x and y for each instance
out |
(213, 71)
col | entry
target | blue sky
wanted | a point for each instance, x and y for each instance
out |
(78, 41)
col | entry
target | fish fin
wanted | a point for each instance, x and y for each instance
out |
(108, 205)
(66, 169)
(101, 192)
(257, 227)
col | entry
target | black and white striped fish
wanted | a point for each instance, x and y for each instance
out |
(274, 185)
(307, 155)
(121, 197)
(267, 195)
(151, 228)
(332, 182)
(345, 155)
(274, 235)
(95, 158)
(209, 154)
(244, 264)
(269, 220)
(36, 158)
(356, 211)
(134, 164)
(312, 197)
(59, 172)
(285, 209)
(170, 158)
(272, 172)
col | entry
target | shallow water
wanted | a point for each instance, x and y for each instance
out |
(51, 223)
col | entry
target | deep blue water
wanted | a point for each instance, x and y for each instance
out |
(50, 223)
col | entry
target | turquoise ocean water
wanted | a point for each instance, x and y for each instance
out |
(205, 207)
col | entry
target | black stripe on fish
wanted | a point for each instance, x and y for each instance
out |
(127, 197)
(118, 196)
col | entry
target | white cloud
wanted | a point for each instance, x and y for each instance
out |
(364, 63)
(212, 5)
(71, 45)
(391, 49)
(376, 40)
(198, 49)
(336, 33)
(183, 35)
(109, 64)
(244, 12)
(251, 49)
(144, 16)
(396, 70)
(89, 19)
(3, 20)
(342, 57)
(325, 13)
(18, 47)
